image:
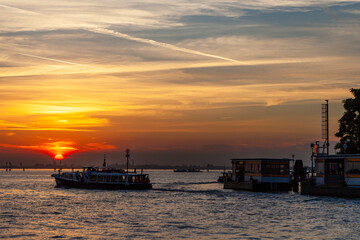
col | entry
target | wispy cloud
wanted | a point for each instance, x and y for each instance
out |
(158, 44)
(55, 60)
(53, 148)
(19, 10)
(62, 147)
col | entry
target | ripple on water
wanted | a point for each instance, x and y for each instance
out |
(189, 206)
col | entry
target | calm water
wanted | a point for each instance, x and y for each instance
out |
(181, 205)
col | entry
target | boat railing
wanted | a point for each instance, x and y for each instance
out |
(97, 177)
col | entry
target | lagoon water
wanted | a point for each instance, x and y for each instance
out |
(180, 205)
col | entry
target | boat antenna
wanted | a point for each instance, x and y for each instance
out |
(104, 164)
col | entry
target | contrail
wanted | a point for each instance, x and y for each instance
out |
(55, 60)
(19, 10)
(158, 44)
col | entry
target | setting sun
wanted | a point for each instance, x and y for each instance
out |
(59, 157)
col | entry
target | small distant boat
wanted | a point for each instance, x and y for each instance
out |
(225, 175)
(220, 179)
(194, 170)
(180, 170)
(187, 170)
(96, 178)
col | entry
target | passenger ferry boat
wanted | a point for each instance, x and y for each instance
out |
(106, 178)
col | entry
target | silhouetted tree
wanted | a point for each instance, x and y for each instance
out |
(349, 125)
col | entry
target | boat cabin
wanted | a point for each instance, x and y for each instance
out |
(260, 174)
(103, 179)
(341, 169)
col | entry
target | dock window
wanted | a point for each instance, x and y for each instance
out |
(352, 168)
(252, 167)
(334, 168)
(320, 168)
(275, 169)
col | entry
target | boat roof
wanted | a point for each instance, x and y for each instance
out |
(119, 173)
(262, 159)
(337, 156)
(115, 173)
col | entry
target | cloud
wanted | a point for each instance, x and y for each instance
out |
(37, 16)
(352, 11)
(95, 146)
(158, 44)
(64, 148)
(19, 10)
(52, 148)
(54, 60)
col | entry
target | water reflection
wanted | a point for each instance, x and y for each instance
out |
(181, 205)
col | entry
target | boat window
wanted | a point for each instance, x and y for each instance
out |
(68, 175)
(130, 179)
(93, 178)
(100, 178)
(113, 178)
(106, 178)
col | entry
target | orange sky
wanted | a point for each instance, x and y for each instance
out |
(193, 81)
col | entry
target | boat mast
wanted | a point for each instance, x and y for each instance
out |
(127, 159)
(104, 164)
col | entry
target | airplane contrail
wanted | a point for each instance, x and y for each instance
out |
(19, 10)
(158, 44)
(55, 60)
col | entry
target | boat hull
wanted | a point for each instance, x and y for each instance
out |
(111, 186)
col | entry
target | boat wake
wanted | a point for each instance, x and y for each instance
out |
(189, 183)
(214, 192)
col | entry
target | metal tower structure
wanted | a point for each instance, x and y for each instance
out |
(104, 164)
(325, 126)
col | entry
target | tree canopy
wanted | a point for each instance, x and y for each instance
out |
(349, 125)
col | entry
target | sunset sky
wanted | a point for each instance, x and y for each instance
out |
(177, 82)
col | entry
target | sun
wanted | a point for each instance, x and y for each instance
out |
(59, 156)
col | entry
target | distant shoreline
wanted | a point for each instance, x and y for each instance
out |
(80, 168)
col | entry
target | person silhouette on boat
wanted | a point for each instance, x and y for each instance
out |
(87, 175)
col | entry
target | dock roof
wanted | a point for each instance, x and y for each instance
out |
(337, 156)
(263, 159)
